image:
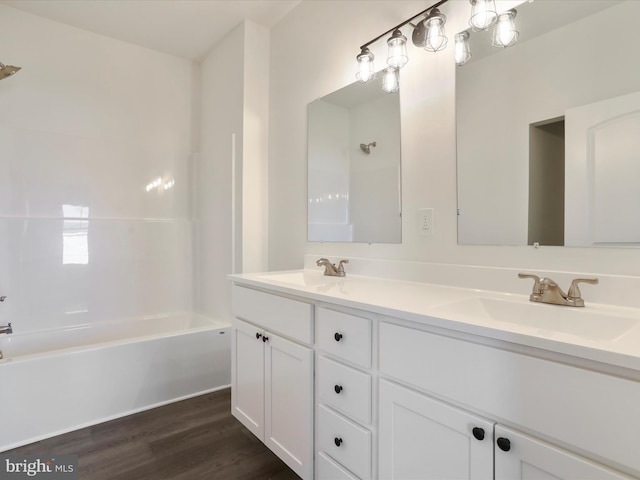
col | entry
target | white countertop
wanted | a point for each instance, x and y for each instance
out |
(597, 332)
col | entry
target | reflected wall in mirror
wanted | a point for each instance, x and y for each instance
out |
(548, 143)
(354, 166)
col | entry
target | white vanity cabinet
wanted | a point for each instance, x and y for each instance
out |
(520, 457)
(342, 389)
(272, 376)
(421, 437)
(344, 395)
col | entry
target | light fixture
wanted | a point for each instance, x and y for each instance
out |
(391, 80)
(366, 71)
(505, 33)
(483, 14)
(429, 34)
(397, 50)
(463, 52)
(435, 39)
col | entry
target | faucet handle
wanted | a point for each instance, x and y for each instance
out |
(536, 292)
(537, 289)
(574, 290)
(341, 267)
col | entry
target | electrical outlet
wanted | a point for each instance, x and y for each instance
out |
(425, 222)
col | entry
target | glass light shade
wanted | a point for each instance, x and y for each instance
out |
(436, 40)
(505, 33)
(366, 71)
(483, 14)
(463, 51)
(391, 80)
(397, 50)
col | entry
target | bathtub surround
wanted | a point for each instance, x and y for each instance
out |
(99, 141)
(90, 122)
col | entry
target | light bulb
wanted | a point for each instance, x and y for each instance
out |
(390, 80)
(505, 33)
(483, 14)
(462, 52)
(366, 71)
(436, 40)
(397, 50)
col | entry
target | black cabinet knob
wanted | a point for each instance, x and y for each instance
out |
(258, 335)
(265, 338)
(337, 388)
(504, 444)
(337, 441)
(337, 336)
(478, 433)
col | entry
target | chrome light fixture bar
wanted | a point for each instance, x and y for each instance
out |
(429, 34)
(397, 56)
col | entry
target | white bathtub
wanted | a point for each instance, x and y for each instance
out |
(52, 382)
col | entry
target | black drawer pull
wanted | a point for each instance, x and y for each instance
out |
(337, 336)
(265, 338)
(478, 433)
(258, 335)
(337, 441)
(337, 388)
(504, 444)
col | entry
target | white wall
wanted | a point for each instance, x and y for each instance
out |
(230, 179)
(322, 60)
(85, 125)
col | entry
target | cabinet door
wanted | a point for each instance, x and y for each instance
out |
(427, 439)
(247, 377)
(521, 457)
(289, 403)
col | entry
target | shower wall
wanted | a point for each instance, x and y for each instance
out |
(95, 147)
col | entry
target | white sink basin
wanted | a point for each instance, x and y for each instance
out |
(584, 322)
(301, 279)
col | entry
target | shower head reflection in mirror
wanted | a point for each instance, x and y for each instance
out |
(353, 188)
(7, 70)
(366, 147)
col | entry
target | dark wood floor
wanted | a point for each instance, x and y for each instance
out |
(188, 440)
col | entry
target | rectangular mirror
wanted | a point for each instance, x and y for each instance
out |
(548, 150)
(354, 166)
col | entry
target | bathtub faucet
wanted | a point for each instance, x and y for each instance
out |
(6, 329)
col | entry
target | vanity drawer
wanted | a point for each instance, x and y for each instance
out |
(327, 469)
(344, 388)
(274, 313)
(344, 335)
(344, 441)
(555, 399)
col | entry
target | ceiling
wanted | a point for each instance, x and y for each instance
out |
(186, 28)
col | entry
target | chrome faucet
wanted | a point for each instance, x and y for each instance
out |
(330, 269)
(546, 290)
